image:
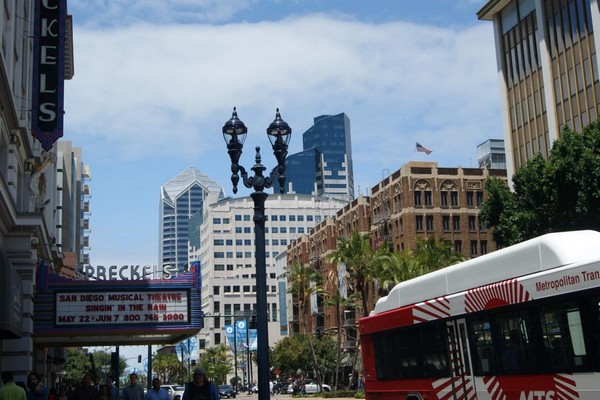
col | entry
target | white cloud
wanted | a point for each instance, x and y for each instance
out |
(150, 100)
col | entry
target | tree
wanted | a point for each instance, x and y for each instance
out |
(304, 281)
(357, 254)
(216, 363)
(77, 364)
(166, 366)
(561, 193)
(292, 353)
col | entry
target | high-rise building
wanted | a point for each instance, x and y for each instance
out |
(491, 154)
(324, 167)
(548, 71)
(73, 207)
(181, 198)
(227, 257)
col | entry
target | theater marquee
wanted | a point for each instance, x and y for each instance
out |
(71, 312)
(90, 308)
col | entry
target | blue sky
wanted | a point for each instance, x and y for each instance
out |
(155, 80)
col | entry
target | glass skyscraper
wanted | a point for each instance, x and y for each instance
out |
(324, 167)
(181, 198)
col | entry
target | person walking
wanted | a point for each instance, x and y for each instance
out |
(86, 390)
(156, 392)
(133, 390)
(200, 388)
(114, 391)
(10, 390)
(37, 390)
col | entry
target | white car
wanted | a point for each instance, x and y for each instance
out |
(175, 391)
(310, 387)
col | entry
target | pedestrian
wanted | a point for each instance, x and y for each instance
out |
(86, 390)
(156, 392)
(200, 388)
(133, 390)
(37, 390)
(114, 391)
(105, 392)
(62, 393)
(10, 390)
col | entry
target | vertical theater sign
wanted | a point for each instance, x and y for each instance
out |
(48, 71)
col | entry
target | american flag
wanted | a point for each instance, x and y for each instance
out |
(423, 149)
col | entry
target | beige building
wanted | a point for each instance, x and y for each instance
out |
(547, 70)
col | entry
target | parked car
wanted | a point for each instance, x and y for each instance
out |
(175, 391)
(226, 391)
(310, 387)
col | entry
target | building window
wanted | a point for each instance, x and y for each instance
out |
(216, 307)
(428, 198)
(473, 248)
(456, 223)
(470, 200)
(247, 229)
(236, 288)
(226, 289)
(229, 267)
(219, 254)
(273, 311)
(446, 223)
(246, 218)
(454, 199)
(246, 288)
(238, 217)
(429, 221)
(247, 254)
(229, 254)
(479, 198)
(216, 221)
(419, 223)
(417, 198)
(483, 247)
(458, 246)
(444, 199)
(219, 267)
(216, 290)
(472, 224)
(219, 242)
(238, 229)
(248, 242)
(217, 338)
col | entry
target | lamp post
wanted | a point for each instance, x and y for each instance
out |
(279, 133)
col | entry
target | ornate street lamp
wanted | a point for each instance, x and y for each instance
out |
(279, 133)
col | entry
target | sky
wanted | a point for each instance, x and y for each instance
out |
(155, 80)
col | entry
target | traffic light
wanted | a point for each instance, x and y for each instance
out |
(139, 359)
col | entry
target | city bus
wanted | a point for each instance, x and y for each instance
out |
(521, 323)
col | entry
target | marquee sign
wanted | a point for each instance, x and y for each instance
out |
(48, 71)
(90, 308)
(110, 312)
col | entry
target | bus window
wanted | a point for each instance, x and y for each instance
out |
(481, 337)
(516, 349)
(563, 338)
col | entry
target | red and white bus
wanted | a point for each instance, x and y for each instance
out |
(521, 323)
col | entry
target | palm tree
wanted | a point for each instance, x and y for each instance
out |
(357, 254)
(304, 281)
(434, 254)
(339, 300)
(216, 363)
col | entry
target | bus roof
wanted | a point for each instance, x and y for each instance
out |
(549, 251)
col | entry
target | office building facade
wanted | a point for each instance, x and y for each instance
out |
(547, 66)
(491, 154)
(324, 167)
(181, 198)
(227, 258)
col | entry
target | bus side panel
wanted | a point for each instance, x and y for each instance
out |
(580, 386)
